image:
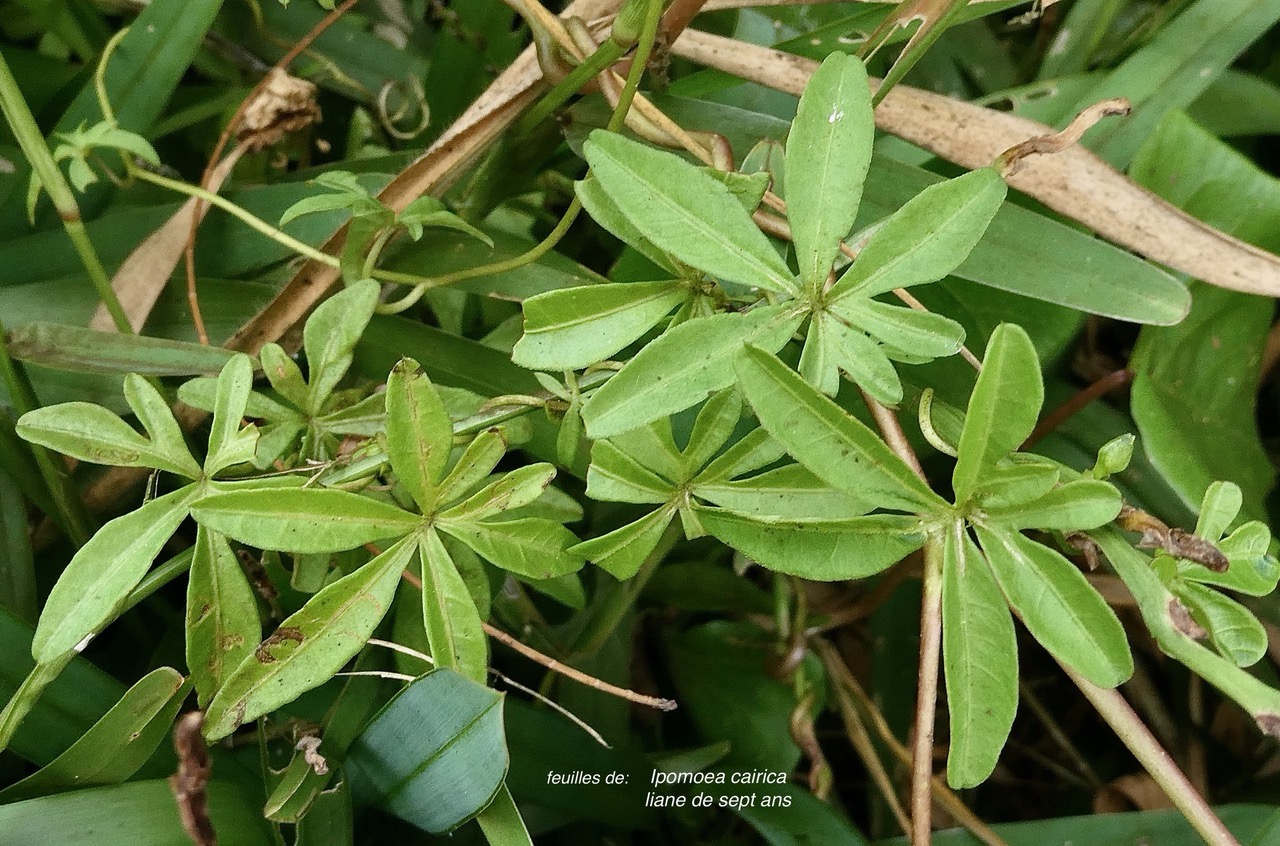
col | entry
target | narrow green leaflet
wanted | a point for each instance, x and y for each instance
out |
(1002, 408)
(1058, 606)
(823, 437)
(330, 335)
(229, 444)
(623, 551)
(617, 476)
(866, 362)
(117, 745)
(828, 154)
(1083, 504)
(514, 490)
(222, 614)
(924, 333)
(693, 216)
(103, 572)
(419, 432)
(1235, 632)
(436, 755)
(980, 657)
(822, 550)
(453, 624)
(157, 418)
(310, 645)
(927, 238)
(474, 465)
(530, 546)
(682, 367)
(791, 491)
(84, 350)
(302, 519)
(574, 328)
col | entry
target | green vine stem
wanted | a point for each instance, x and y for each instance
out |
(1155, 760)
(23, 123)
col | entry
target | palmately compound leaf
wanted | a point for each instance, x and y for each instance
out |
(980, 658)
(1058, 606)
(828, 154)
(682, 367)
(311, 644)
(1002, 408)
(925, 239)
(693, 216)
(836, 447)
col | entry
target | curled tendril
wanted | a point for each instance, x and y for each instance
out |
(410, 93)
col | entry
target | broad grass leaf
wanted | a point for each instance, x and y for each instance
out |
(836, 447)
(311, 644)
(927, 238)
(822, 550)
(1058, 606)
(828, 154)
(436, 755)
(1002, 409)
(450, 616)
(84, 350)
(419, 432)
(692, 215)
(980, 658)
(104, 571)
(222, 623)
(682, 367)
(305, 520)
(571, 329)
(117, 745)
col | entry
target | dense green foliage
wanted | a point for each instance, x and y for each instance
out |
(789, 409)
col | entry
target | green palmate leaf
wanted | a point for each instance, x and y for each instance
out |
(228, 443)
(693, 216)
(474, 465)
(923, 333)
(1234, 630)
(574, 328)
(1084, 504)
(980, 656)
(823, 550)
(623, 551)
(828, 154)
(102, 573)
(117, 745)
(435, 755)
(330, 334)
(683, 366)
(1058, 606)
(791, 491)
(925, 239)
(530, 546)
(514, 490)
(823, 437)
(311, 644)
(449, 614)
(84, 350)
(1002, 408)
(615, 476)
(302, 519)
(222, 614)
(419, 432)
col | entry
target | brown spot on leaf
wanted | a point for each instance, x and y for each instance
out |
(281, 636)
